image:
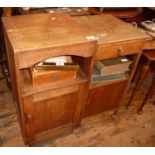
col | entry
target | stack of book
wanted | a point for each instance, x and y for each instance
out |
(53, 69)
(111, 69)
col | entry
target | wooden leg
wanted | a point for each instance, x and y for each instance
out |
(6, 74)
(139, 68)
(114, 114)
(144, 71)
(149, 93)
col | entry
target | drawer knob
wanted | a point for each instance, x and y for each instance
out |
(120, 50)
(29, 116)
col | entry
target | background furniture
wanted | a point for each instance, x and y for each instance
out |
(149, 56)
(120, 12)
(72, 11)
(3, 56)
(148, 95)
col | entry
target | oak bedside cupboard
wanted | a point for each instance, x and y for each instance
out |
(51, 109)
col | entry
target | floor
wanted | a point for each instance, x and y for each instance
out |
(127, 129)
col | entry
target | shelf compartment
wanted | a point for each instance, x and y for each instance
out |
(100, 84)
(106, 78)
(30, 89)
(111, 70)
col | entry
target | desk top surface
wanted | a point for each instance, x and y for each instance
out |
(110, 29)
(39, 31)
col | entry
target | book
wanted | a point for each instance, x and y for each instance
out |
(113, 66)
(97, 77)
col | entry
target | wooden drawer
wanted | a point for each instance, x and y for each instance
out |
(117, 49)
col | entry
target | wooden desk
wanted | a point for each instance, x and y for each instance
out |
(115, 39)
(56, 108)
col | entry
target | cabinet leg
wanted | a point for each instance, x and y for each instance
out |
(144, 72)
(149, 93)
(114, 114)
(140, 111)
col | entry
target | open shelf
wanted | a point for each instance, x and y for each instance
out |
(100, 84)
(111, 70)
(30, 89)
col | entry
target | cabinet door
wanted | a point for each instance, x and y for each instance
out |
(49, 117)
(104, 98)
(54, 112)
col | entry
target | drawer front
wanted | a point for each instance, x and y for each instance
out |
(118, 49)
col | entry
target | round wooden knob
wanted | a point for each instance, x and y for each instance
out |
(29, 116)
(120, 50)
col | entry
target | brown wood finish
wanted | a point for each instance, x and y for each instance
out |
(54, 132)
(121, 13)
(60, 113)
(118, 49)
(149, 54)
(149, 44)
(109, 29)
(104, 97)
(115, 39)
(149, 94)
(55, 108)
(145, 69)
(58, 107)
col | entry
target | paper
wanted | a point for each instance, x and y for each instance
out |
(59, 61)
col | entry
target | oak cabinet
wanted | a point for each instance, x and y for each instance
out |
(52, 109)
(49, 109)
